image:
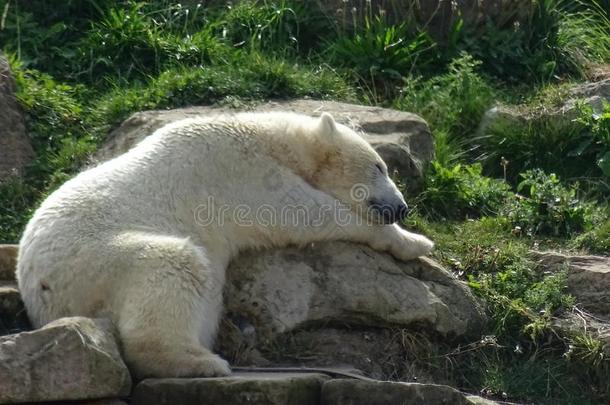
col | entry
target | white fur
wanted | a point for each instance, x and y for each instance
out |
(124, 240)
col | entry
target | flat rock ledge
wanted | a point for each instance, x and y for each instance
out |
(270, 388)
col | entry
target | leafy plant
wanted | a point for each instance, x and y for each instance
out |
(462, 191)
(453, 102)
(16, 201)
(261, 25)
(596, 240)
(596, 134)
(548, 207)
(574, 145)
(129, 43)
(541, 40)
(381, 54)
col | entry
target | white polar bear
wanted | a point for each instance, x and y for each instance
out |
(145, 239)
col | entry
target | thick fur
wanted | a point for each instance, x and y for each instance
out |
(133, 238)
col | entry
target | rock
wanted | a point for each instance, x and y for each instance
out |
(402, 139)
(578, 323)
(378, 353)
(8, 262)
(339, 303)
(68, 359)
(588, 278)
(594, 94)
(500, 115)
(282, 290)
(13, 317)
(358, 392)
(240, 388)
(15, 147)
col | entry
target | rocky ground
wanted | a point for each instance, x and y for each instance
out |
(285, 292)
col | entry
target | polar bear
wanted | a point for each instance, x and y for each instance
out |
(145, 239)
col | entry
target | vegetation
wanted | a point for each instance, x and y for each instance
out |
(538, 181)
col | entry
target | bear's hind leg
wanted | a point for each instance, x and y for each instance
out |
(170, 302)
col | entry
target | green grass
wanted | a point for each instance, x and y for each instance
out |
(250, 76)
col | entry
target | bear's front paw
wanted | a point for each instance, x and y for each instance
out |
(411, 245)
(213, 366)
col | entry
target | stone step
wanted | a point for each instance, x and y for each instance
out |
(359, 392)
(297, 388)
(262, 388)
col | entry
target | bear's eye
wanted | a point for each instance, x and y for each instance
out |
(379, 167)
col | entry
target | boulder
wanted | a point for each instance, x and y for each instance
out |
(589, 282)
(577, 323)
(240, 388)
(282, 290)
(359, 392)
(15, 147)
(339, 303)
(8, 262)
(594, 94)
(68, 359)
(402, 139)
(588, 278)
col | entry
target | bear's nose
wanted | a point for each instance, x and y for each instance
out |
(401, 212)
(390, 213)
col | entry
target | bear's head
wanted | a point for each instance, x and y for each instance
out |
(348, 168)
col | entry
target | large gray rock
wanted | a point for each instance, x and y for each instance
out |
(588, 278)
(339, 303)
(358, 392)
(402, 139)
(240, 388)
(282, 290)
(68, 359)
(15, 148)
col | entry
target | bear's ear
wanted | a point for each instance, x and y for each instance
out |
(327, 124)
